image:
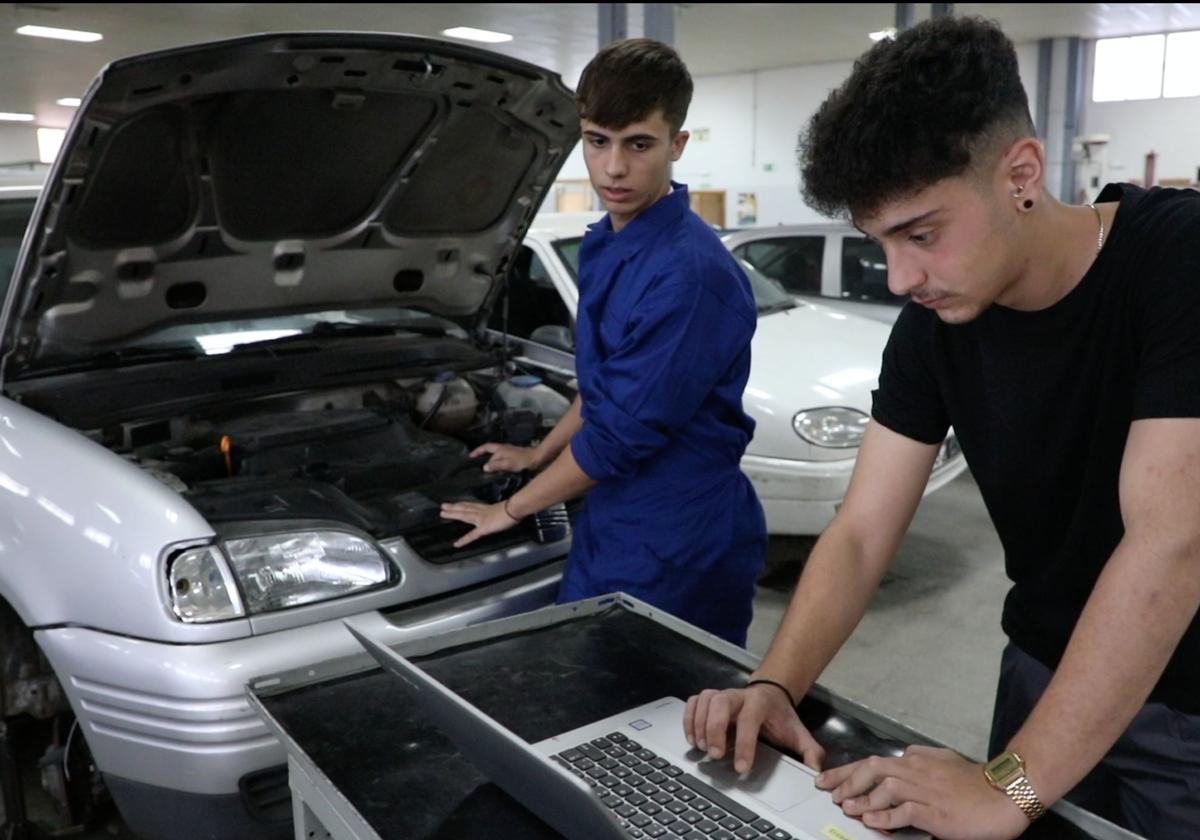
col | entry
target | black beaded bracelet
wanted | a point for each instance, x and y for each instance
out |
(778, 685)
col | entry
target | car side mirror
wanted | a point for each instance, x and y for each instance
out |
(561, 338)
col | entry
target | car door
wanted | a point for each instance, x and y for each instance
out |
(14, 218)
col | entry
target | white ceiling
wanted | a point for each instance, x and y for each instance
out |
(713, 37)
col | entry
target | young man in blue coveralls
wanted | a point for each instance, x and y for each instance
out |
(662, 355)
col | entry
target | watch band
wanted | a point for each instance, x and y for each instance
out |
(1021, 792)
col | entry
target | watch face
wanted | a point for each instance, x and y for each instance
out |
(1004, 767)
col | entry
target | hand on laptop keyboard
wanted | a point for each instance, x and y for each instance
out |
(654, 799)
(759, 709)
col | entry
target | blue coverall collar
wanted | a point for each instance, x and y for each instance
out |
(647, 224)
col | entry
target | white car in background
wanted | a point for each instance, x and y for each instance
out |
(812, 372)
(822, 263)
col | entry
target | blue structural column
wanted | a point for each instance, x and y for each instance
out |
(613, 22)
(1072, 115)
(1041, 115)
(659, 22)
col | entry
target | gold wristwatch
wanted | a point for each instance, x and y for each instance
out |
(1007, 773)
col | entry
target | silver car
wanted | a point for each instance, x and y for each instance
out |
(244, 361)
(826, 263)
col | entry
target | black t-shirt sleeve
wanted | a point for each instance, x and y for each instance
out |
(1168, 373)
(908, 400)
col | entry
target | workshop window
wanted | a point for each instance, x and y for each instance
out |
(1147, 67)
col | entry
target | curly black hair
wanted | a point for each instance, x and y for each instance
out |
(928, 105)
(629, 80)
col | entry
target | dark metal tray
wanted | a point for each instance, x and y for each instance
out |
(539, 674)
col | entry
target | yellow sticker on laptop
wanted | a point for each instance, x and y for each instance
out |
(834, 833)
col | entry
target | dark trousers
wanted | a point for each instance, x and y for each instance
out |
(1148, 783)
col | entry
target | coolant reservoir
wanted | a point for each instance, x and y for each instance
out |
(527, 393)
(447, 404)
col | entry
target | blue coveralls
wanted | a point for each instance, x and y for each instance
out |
(663, 354)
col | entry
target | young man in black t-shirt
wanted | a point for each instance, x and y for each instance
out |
(1063, 345)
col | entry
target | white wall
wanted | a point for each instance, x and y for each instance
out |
(1170, 127)
(752, 122)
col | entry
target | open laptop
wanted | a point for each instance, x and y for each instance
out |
(633, 774)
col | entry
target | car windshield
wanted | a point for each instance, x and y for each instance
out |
(769, 295)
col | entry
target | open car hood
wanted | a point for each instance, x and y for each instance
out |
(280, 174)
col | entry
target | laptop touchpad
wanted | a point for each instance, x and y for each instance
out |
(775, 782)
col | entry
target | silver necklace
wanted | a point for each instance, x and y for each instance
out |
(1099, 221)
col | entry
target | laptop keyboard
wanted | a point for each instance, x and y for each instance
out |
(653, 798)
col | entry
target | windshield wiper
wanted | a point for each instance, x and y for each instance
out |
(782, 306)
(123, 356)
(340, 329)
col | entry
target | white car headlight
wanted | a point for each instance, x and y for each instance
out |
(273, 572)
(202, 587)
(833, 428)
(287, 570)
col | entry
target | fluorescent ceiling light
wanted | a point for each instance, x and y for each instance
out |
(50, 140)
(61, 34)
(468, 33)
(881, 34)
(16, 117)
(70, 101)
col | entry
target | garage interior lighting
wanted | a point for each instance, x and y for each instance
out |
(61, 34)
(70, 101)
(50, 140)
(9, 117)
(881, 34)
(468, 33)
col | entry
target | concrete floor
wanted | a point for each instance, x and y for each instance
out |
(927, 652)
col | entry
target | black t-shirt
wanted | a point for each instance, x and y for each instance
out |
(1042, 402)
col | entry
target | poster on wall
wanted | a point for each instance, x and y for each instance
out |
(747, 209)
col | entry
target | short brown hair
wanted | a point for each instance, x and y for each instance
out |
(629, 80)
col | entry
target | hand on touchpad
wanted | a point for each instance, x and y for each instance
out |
(776, 782)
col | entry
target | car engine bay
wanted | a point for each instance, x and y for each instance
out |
(380, 457)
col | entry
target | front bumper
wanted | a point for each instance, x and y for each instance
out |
(801, 497)
(175, 716)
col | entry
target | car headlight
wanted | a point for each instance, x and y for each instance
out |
(202, 587)
(833, 428)
(273, 572)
